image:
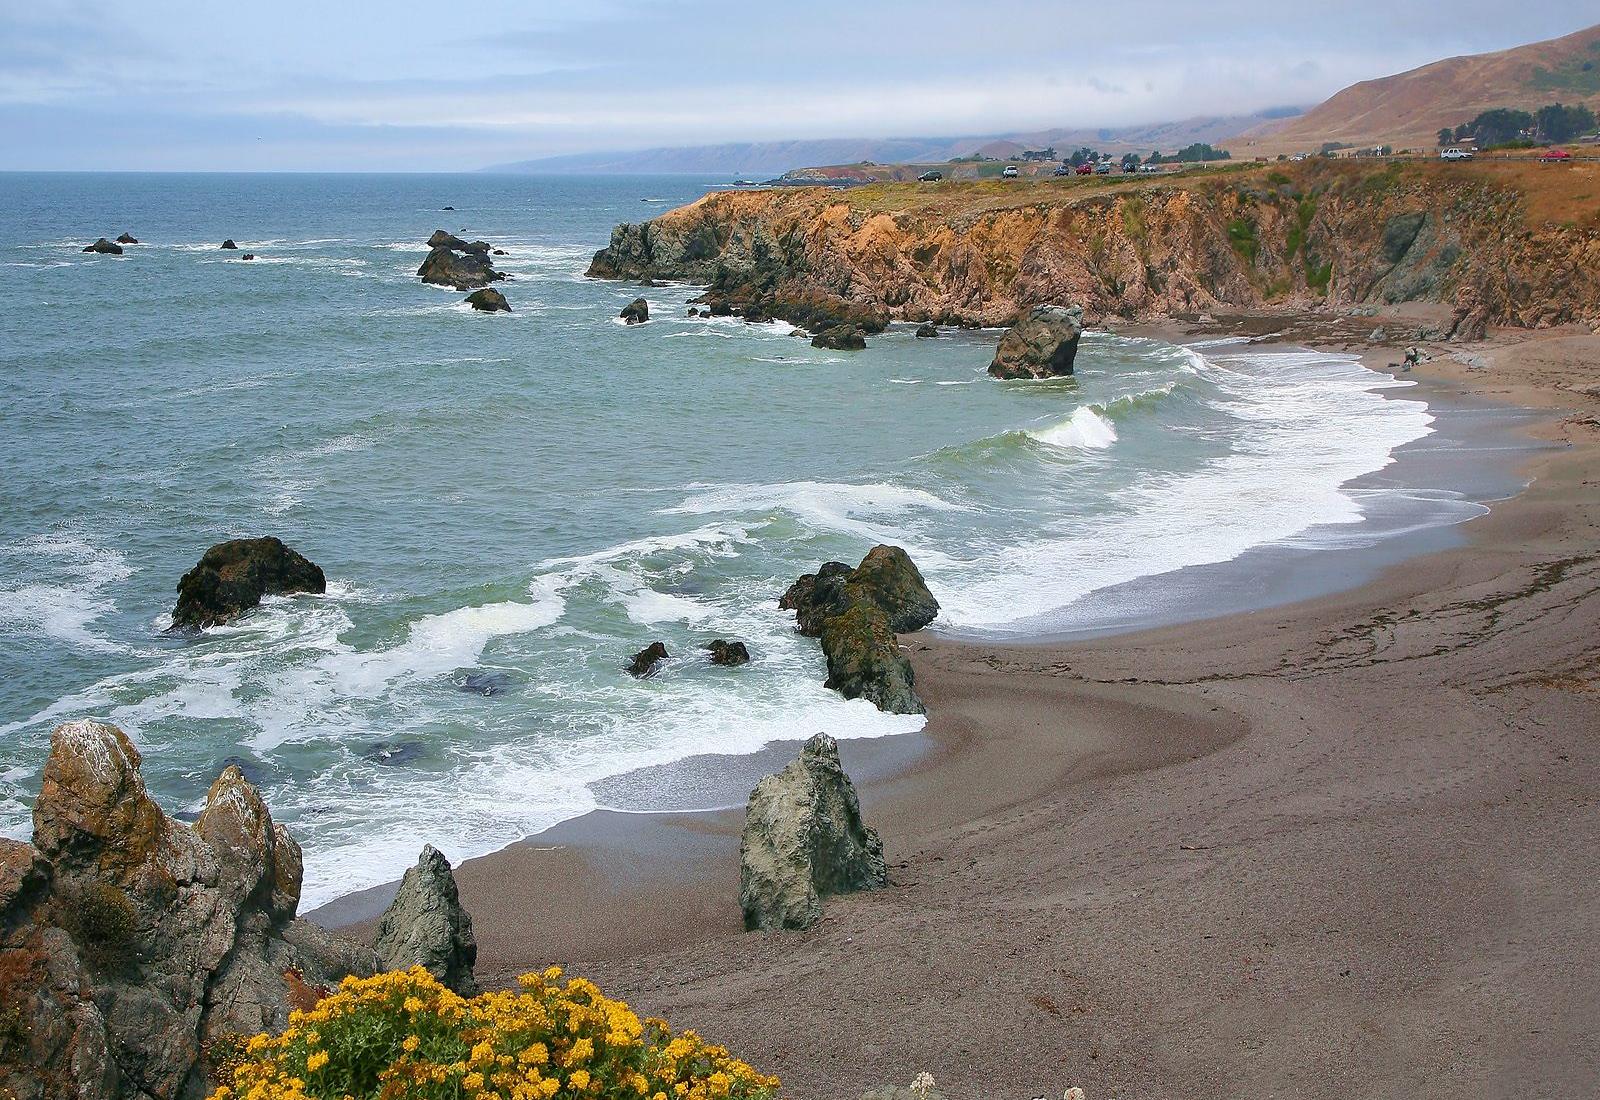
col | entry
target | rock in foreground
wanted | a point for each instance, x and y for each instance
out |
(104, 247)
(488, 300)
(865, 662)
(131, 943)
(1042, 345)
(636, 312)
(425, 926)
(804, 840)
(231, 578)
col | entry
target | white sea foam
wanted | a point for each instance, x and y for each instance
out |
(1088, 428)
(63, 607)
(826, 506)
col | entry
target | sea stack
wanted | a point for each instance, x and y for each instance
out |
(636, 312)
(456, 263)
(104, 247)
(1042, 345)
(232, 576)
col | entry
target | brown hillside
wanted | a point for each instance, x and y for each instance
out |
(1408, 110)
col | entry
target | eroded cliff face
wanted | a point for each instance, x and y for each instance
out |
(1290, 235)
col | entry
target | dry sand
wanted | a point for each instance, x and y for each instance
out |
(1349, 847)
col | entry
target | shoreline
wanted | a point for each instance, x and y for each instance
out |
(643, 800)
(1325, 847)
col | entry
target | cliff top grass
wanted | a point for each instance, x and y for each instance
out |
(1566, 195)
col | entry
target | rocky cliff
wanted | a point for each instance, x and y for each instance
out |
(1282, 235)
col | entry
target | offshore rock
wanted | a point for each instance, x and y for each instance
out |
(636, 312)
(425, 926)
(228, 244)
(644, 662)
(127, 238)
(840, 338)
(488, 300)
(927, 331)
(441, 239)
(804, 840)
(104, 247)
(231, 578)
(887, 576)
(467, 270)
(129, 941)
(728, 654)
(864, 660)
(1042, 345)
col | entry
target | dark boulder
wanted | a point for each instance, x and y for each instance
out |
(644, 662)
(488, 300)
(488, 684)
(804, 841)
(728, 654)
(500, 252)
(441, 239)
(636, 312)
(468, 270)
(104, 247)
(694, 311)
(127, 238)
(927, 331)
(448, 208)
(248, 256)
(864, 659)
(840, 338)
(1042, 345)
(426, 926)
(887, 576)
(228, 244)
(231, 578)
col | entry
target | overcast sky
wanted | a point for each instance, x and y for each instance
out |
(427, 86)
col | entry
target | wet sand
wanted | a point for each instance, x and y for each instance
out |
(1345, 847)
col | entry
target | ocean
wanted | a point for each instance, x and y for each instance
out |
(523, 501)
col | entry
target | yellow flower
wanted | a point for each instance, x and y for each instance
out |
(473, 1081)
(579, 1079)
(316, 1060)
(410, 1044)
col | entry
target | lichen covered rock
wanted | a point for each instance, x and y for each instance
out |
(231, 578)
(865, 662)
(887, 576)
(728, 654)
(804, 840)
(426, 926)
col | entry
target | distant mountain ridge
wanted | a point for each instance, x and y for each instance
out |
(773, 158)
(1409, 109)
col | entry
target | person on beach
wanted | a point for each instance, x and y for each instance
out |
(1413, 357)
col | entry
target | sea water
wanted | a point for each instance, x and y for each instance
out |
(519, 502)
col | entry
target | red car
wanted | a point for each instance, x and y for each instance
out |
(1554, 156)
(1085, 169)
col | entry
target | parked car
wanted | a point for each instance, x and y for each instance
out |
(1455, 154)
(1554, 156)
(1063, 170)
(1009, 172)
(1149, 169)
(1084, 169)
(930, 177)
(1103, 168)
(1298, 157)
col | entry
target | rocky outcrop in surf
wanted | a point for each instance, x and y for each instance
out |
(488, 300)
(1321, 233)
(232, 576)
(840, 338)
(133, 947)
(855, 615)
(453, 262)
(636, 312)
(728, 654)
(804, 841)
(426, 926)
(1043, 344)
(127, 238)
(644, 662)
(228, 244)
(104, 248)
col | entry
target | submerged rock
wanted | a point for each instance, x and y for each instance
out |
(840, 338)
(644, 662)
(728, 654)
(486, 683)
(129, 942)
(927, 331)
(488, 300)
(248, 256)
(231, 578)
(804, 840)
(1042, 345)
(104, 247)
(426, 926)
(127, 238)
(228, 244)
(636, 312)
(864, 660)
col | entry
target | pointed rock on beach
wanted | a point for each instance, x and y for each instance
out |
(426, 926)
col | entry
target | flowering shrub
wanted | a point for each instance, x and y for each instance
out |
(403, 1036)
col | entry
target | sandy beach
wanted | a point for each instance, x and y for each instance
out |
(1345, 847)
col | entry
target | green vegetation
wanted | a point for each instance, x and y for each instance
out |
(1505, 128)
(1318, 275)
(1133, 223)
(1579, 77)
(103, 922)
(1199, 151)
(1242, 235)
(1300, 228)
